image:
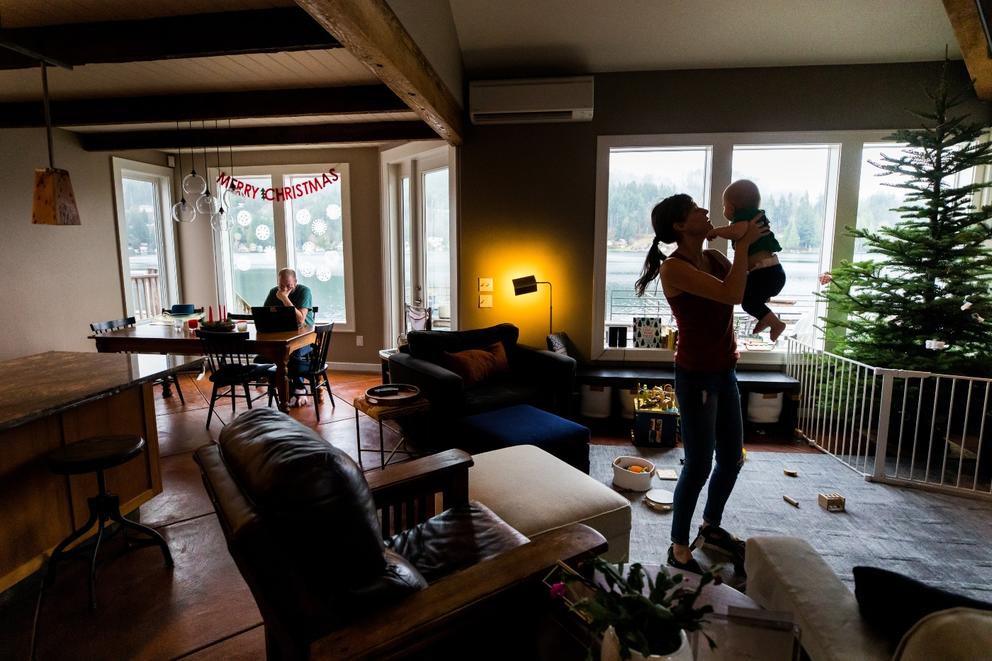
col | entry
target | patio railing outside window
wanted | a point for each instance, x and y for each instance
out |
(145, 293)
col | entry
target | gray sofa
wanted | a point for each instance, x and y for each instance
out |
(787, 574)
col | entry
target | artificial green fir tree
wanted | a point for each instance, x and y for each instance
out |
(932, 278)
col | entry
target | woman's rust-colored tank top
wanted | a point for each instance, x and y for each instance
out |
(706, 327)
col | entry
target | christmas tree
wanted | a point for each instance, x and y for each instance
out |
(931, 280)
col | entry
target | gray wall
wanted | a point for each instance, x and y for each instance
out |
(528, 191)
(57, 279)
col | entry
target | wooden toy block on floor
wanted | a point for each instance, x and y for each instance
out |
(832, 502)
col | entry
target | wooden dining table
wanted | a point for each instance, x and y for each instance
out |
(158, 337)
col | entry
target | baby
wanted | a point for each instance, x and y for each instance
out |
(765, 275)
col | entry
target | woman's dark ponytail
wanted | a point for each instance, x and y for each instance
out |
(664, 215)
(652, 266)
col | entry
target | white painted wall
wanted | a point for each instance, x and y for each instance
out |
(432, 27)
(55, 280)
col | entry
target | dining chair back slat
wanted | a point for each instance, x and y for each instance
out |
(102, 327)
(224, 349)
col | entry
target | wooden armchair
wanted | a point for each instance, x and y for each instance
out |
(306, 612)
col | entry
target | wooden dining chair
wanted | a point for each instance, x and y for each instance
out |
(314, 372)
(104, 327)
(195, 311)
(231, 366)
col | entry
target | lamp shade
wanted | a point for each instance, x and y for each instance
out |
(525, 285)
(54, 202)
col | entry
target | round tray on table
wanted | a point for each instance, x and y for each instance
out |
(391, 394)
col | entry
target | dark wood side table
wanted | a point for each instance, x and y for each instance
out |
(380, 413)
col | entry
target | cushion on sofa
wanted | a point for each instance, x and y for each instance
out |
(892, 603)
(957, 634)
(535, 493)
(477, 365)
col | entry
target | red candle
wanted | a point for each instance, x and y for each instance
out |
(210, 313)
(223, 314)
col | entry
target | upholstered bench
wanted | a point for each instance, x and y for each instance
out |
(536, 493)
(526, 425)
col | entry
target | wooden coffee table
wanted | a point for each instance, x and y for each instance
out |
(380, 413)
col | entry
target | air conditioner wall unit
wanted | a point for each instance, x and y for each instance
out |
(531, 101)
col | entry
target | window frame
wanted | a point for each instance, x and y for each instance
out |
(162, 178)
(413, 160)
(841, 210)
(284, 229)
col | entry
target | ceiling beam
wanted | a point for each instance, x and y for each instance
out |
(371, 32)
(216, 105)
(256, 136)
(966, 18)
(167, 38)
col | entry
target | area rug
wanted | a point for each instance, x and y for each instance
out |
(942, 540)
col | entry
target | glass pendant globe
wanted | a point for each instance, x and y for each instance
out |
(220, 221)
(207, 204)
(183, 212)
(194, 184)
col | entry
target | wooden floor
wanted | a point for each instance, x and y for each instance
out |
(202, 608)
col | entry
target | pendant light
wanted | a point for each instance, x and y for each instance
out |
(54, 202)
(219, 219)
(182, 211)
(193, 184)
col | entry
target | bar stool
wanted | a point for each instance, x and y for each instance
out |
(97, 455)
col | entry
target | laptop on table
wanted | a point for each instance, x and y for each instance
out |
(274, 319)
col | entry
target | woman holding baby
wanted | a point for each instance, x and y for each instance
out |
(702, 287)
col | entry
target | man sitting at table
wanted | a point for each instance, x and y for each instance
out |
(290, 293)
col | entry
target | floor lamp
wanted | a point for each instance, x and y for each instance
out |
(528, 284)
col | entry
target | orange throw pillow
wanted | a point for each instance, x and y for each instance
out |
(477, 365)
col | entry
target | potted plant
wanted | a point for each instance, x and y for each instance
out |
(640, 618)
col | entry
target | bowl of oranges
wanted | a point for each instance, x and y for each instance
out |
(632, 473)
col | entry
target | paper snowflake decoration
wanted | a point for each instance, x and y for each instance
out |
(242, 263)
(262, 232)
(309, 247)
(323, 274)
(333, 211)
(303, 216)
(319, 227)
(244, 218)
(307, 270)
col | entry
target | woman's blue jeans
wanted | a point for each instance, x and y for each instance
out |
(710, 410)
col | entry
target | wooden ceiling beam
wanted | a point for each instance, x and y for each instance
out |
(371, 32)
(256, 136)
(167, 38)
(966, 18)
(357, 99)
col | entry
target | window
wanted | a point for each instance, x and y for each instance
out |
(286, 222)
(876, 200)
(797, 194)
(148, 256)
(250, 248)
(419, 239)
(639, 179)
(809, 190)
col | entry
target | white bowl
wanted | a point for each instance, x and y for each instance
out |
(624, 479)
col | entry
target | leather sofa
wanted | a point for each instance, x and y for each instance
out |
(540, 378)
(347, 567)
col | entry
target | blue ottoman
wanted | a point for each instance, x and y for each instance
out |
(526, 425)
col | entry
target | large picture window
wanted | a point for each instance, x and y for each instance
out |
(310, 233)
(809, 186)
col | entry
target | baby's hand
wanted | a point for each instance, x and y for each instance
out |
(713, 234)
